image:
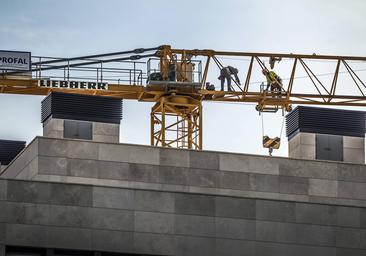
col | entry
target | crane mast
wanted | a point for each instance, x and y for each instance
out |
(178, 86)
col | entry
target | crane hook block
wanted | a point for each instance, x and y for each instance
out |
(271, 143)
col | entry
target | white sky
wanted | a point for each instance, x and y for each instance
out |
(74, 28)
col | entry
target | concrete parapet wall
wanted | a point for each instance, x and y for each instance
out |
(215, 173)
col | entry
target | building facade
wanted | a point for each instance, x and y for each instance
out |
(77, 197)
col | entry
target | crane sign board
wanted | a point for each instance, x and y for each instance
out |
(15, 60)
(72, 84)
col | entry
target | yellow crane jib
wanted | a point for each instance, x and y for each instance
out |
(177, 81)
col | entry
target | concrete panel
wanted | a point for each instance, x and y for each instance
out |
(352, 190)
(114, 241)
(151, 222)
(350, 252)
(235, 228)
(2, 168)
(143, 172)
(129, 153)
(362, 217)
(276, 249)
(145, 185)
(105, 138)
(2, 235)
(53, 134)
(53, 128)
(70, 238)
(204, 160)
(2, 249)
(229, 247)
(26, 213)
(320, 187)
(174, 157)
(354, 155)
(316, 214)
(33, 192)
(194, 225)
(236, 163)
(265, 183)
(307, 152)
(29, 170)
(276, 232)
(52, 147)
(113, 170)
(154, 201)
(27, 235)
(294, 151)
(112, 219)
(194, 204)
(82, 168)
(82, 149)
(245, 163)
(234, 180)
(173, 175)
(52, 165)
(302, 146)
(3, 213)
(316, 235)
(352, 172)
(307, 138)
(113, 198)
(350, 216)
(53, 124)
(106, 129)
(308, 169)
(275, 211)
(294, 141)
(203, 178)
(348, 238)
(67, 194)
(353, 142)
(235, 207)
(154, 244)
(3, 189)
(70, 216)
(188, 246)
(293, 185)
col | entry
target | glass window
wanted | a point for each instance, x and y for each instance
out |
(78, 130)
(329, 147)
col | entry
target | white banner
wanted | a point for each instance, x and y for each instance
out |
(12, 60)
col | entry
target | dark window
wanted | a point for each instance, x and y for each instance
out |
(78, 130)
(24, 251)
(329, 147)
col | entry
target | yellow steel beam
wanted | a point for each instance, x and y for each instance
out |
(30, 87)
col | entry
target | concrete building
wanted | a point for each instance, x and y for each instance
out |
(94, 196)
(106, 197)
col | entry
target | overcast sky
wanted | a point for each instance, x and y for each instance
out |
(72, 28)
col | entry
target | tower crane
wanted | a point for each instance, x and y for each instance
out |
(177, 79)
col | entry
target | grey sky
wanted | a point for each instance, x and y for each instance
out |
(79, 27)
